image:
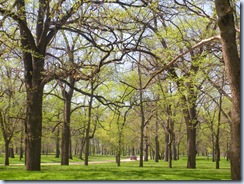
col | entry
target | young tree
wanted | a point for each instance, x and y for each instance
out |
(11, 106)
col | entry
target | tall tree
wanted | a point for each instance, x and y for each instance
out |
(34, 45)
(226, 23)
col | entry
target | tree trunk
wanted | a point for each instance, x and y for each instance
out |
(217, 148)
(70, 149)
(21, 144)
(34, 68)
(87, 138)
(66, 137)
(217, 153)
(178, 150)
(166, 147)
(82, 144)
(11, 152)
(118, 153)
(231, 58)
(6, 152)
(133, 151)
(142, 115)
(156, 140)
(57, 144)
(34, 121)
(156, 158)
(191, 123)
(170, 153)
(118, 159)
(146, 152)
(174, 150)
(213, 145)
(191, 147)
(66, 131)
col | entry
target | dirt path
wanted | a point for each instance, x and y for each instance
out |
(82, 163)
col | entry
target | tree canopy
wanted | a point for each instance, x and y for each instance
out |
(137, 77)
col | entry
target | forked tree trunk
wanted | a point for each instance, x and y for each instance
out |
(231, 58)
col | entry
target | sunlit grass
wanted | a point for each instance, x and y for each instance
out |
(51, 159)
(127, 171)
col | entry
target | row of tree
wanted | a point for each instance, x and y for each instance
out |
(128, 74)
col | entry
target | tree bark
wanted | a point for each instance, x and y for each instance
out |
(57, 144)
(66, 129)
(87, 138)
(146, 152)
(70, 149)
(6, 156)
(217, 148)
(191, 147)
(231, 58)
(34, 119)
(166, 147)
(11, 151)
(174, 151)
(191, 122)
(21, 143)
(142, 116)
(156, 158)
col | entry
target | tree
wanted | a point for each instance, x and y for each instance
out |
(226, 23)
(11, 106)
(34, 46)
(67, 95)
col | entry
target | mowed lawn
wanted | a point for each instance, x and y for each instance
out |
(127, 171)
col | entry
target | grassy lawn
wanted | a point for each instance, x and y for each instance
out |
(51, 159)
(127, 171)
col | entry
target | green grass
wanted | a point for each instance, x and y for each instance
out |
(127, 171)
(51, 159)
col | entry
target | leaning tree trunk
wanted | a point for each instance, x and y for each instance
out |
(231, 58)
